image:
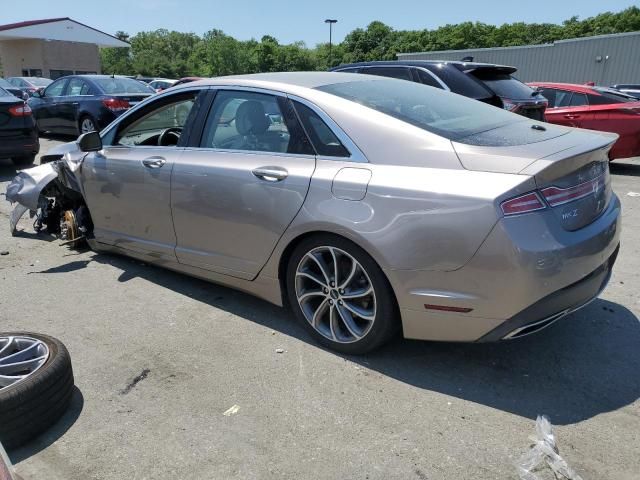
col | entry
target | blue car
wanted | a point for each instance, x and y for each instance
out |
(83, 103)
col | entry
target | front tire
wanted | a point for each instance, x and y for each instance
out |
(340, 295)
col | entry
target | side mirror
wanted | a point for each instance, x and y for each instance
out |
(90, 142)
(38, 93)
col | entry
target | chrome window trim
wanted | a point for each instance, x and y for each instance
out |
(356, 154)
(437, 79)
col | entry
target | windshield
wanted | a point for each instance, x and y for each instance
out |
(39, 82)
(504, 84)
(121, 85)
(448, 115)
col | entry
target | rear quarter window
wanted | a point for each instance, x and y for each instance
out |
(459, 82)
(504, 84)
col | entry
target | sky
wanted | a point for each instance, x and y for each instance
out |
(291, 21)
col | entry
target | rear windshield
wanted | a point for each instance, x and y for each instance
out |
(504, 84)
(5, 84)
(39, 82)
(448, 115)
(122, 85)
(608, 96)
(4, 93)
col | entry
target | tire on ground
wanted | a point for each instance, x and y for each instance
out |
(32, 405)
(387, 320)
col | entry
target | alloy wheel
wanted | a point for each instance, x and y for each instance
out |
(20, 357)
(87, 125)
(335, 294)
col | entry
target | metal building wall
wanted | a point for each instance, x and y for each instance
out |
(604, 59)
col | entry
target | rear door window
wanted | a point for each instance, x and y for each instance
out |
(56, 89)
(77, 86)
(402, 73)
(254, 122)
(427, 78)
(578, 100)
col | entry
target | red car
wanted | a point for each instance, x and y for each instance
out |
(595, 108)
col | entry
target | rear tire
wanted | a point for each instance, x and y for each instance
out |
(354, 309)
(32, 405)
(24, 161)
(86, 124)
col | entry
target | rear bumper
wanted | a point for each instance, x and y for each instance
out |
(528, 269)
(18, 144)
(555, 306)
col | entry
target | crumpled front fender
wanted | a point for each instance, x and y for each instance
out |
(26, 187)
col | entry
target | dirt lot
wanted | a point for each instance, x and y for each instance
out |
(412, 410)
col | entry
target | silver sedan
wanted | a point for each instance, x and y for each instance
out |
(368, 205)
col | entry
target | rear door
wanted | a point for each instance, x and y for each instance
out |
(128, 184)
(566, 107)
(235, 191)
(77, 91)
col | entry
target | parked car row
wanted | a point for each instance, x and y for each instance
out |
(612, 109)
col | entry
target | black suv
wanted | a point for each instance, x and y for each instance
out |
(486, 82)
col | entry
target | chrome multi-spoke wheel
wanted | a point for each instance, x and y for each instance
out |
(335, 294)
(87, 125)
(20, 357)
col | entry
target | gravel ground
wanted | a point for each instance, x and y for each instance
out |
(414, 410)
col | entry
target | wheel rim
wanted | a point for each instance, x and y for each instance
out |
(20, 357)
(335, 294)
(87, 126)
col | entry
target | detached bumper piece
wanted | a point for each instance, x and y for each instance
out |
(555, 306)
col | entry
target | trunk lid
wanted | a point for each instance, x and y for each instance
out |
(570, 170)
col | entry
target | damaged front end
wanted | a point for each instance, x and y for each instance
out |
(52, 194)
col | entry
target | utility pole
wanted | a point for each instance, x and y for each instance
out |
(330, 21)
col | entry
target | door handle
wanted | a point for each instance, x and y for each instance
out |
(270, 174)
(154, 162)
(571, 116)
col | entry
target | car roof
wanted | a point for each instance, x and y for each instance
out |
(282, 79)
(467, 66)
(574, 87)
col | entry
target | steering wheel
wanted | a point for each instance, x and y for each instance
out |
(166, 133)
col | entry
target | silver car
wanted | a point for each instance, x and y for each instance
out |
(368, 205)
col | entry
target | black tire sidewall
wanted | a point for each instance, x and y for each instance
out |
(46, 393)
(386, 322)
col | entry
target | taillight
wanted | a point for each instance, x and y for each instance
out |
(529, 202)
(116, 104)
(557, 196)
(509, 105)
(23, 110)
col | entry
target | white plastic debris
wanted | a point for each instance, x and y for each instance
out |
(232, 411)
(279, 350)
(633, 194)
(544, 451)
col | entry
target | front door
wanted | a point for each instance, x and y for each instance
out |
(47, 106)
(127, 185)
(234, 195)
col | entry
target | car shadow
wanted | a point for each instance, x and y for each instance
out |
(627, 169)
(581, 367)
(53, 433)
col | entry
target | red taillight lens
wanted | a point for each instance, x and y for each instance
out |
(116, 104)
(529, 202)
(557, 196)
(23, 110)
